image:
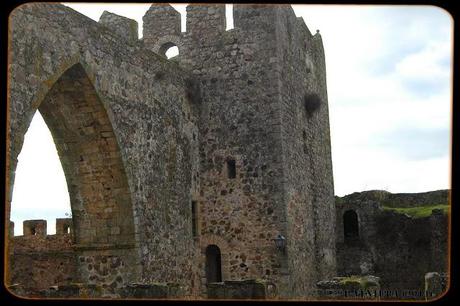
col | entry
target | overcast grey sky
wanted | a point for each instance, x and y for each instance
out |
(389, 90)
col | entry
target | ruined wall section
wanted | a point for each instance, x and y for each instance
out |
(237, 121)
(146, 101)
(357, 257)
(406, 250)
(397, 248)
(307, 153)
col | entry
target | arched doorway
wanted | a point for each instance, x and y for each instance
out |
(350, 226)
(213, 264)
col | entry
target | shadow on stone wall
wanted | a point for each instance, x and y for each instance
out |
(247, 289)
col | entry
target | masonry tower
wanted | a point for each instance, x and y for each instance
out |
(264, 146)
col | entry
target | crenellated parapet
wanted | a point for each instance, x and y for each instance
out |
(206, 28)
(38, 227)
(36, 240)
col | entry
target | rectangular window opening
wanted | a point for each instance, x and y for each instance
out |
(231, 168)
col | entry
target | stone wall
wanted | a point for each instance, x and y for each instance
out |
(92, 291)
(395, 247)
(248, 289)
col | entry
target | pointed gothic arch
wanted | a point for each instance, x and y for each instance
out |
(99, 194)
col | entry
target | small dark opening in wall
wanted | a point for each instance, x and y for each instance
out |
(312, 103)
(213, 264)
(193, 91)
(194, 220)
(33, 231)
(231, 168)
(350, 226)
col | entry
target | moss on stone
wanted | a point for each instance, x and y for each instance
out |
(358, 281)
(419, 212)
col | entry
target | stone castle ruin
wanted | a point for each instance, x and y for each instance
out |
(209, 168)
(183, 170)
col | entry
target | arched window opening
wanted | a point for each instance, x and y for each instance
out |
(213, 264)
(350, 226)
(40, 188)
(169, 50)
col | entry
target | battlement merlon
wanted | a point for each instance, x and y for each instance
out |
(160, 20)
(255, 17)
(122, 26)
(209, 19)
(63, 226)
(34, 227)
(270, 18)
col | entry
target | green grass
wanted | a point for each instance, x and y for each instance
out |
(419, 212)
(362, 282)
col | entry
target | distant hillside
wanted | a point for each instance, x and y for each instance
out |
(399, 200)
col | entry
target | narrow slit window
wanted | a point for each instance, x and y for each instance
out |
(194, 220)
(231, 168)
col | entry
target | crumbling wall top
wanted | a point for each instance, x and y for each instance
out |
(124, 27)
